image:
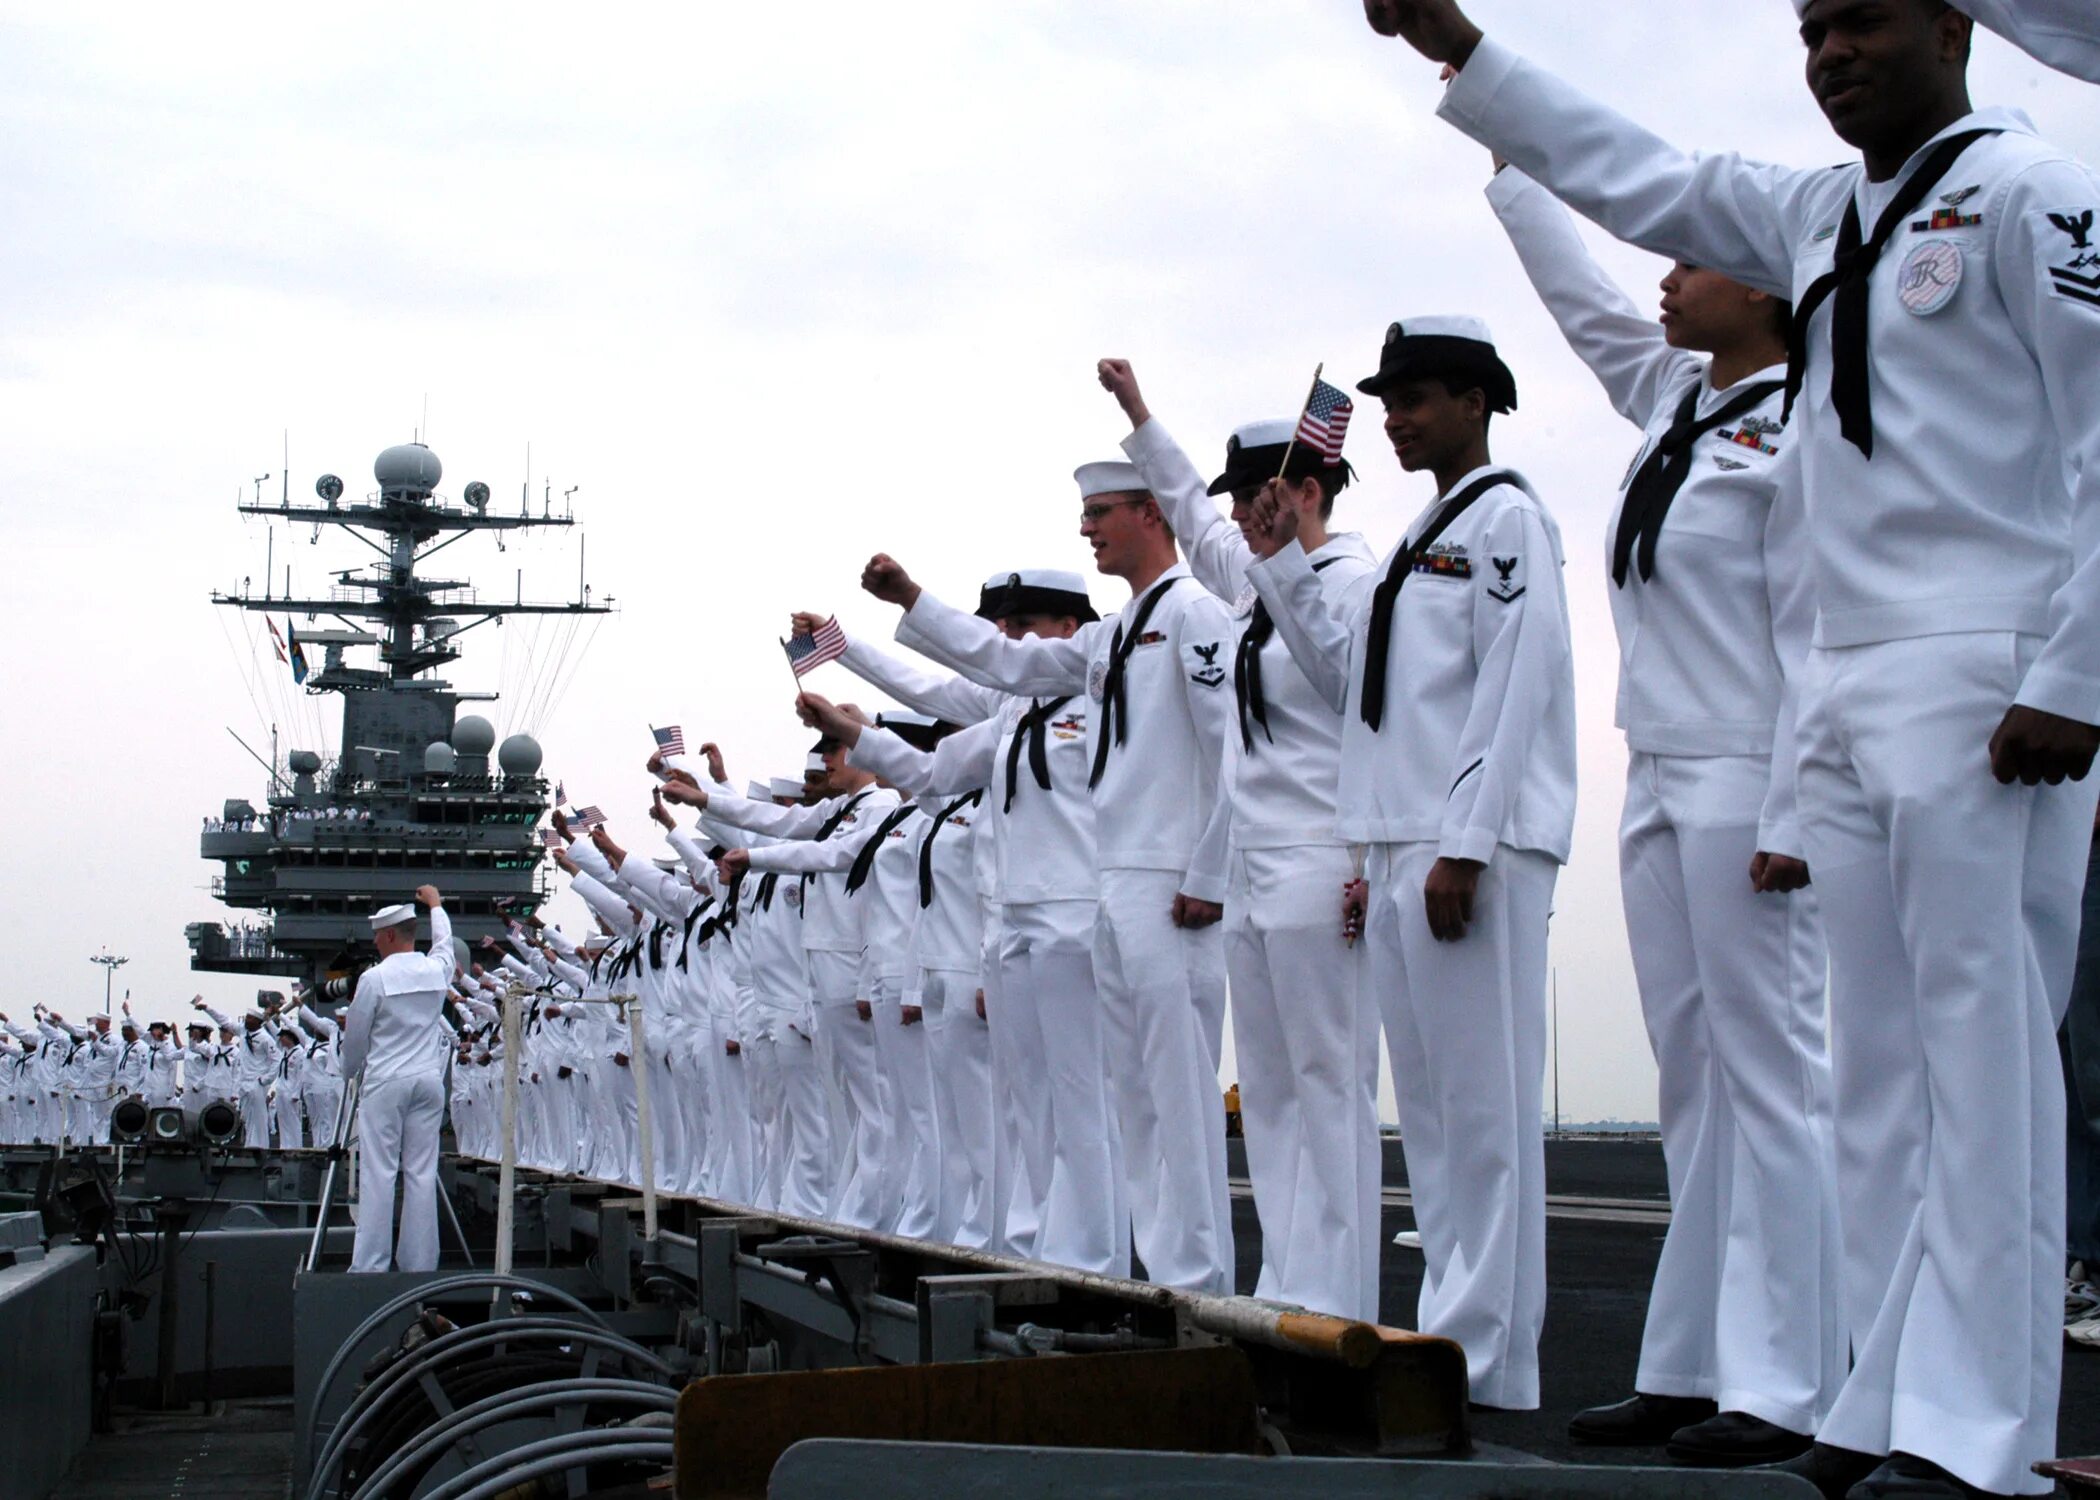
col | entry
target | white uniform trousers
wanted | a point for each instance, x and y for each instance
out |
(1306, 1040)
(768, 1133)
(1156, 981)
(324, 1101)
(960, 1044)
(398, 1120)
(704, 1172)
(1053, 1011)
(1744, 1309)
(255, 1114)
(862, 1194)
(1017, 1197)
(1466, 1026)
(732, 1121)
(805, 1115)
(1952, 907)
(291, 1133)
(915, 1138)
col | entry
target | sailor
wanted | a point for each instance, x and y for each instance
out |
(1708, 581)
(885, 877)
(255, 1064)
(128, 1069)
(1161, 709)
(821, 842)
(1451, 665)
(388, 1034)
(1957, 637)
(163, 1058)
(1305, 1038)
(1016, 1163)
(213, 1072)
(285, 1089)
(320, 1073)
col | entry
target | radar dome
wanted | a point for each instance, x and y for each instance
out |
(407, 467)
(473, 735)
(439, 759)
(304, 762)
(519, 755)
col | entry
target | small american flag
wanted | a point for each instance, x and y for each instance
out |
(561, 797)
(586, 819)
(670, 740)
(1326, 421)
(550, 838)
(806, 653)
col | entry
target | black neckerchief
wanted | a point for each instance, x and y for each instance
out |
(831, 826)
(1378, 645)
(1849, 281)
(1246, 667)
(926, 844)
(1032, 731)
(657, 934)
(1115, 709)
(1655, 487)
(767, 883)
(685, 947)
(864, 861)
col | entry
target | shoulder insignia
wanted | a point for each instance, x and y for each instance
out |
(2077, 277)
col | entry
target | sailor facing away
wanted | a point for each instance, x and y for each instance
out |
(1709, 588)
(389, 1043)
(1451, 666)
(1948, 432)
(1305, 1037)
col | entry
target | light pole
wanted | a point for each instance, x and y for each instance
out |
(110, 964)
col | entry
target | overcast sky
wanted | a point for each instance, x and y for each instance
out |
(773, 287)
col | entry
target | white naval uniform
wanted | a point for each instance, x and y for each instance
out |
(1046, 1029)
(1744, 1309)
(889, 897)
(1305, 1036)
(790, 1082)
(1021, 1150)
(288, 1084)
(1160, 832)
(1955, 576)
(1475, 761)
(390, 1040)
(157, 1088)
(820, 841)
(321, 1078)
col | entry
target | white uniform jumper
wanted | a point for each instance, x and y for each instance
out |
(1160, 710)
(1714, 612)
(1464, 748)
(1305, 1038)
(1954, 576)
(391, 1040)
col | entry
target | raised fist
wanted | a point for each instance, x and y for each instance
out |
(1120, 381)
(885, 578)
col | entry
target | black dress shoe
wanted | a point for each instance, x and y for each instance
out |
(1831, 1469)
(1904, 1476)
(1639, 1422)
(1735, 1440)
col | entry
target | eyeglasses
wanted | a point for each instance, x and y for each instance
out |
(1096, 513)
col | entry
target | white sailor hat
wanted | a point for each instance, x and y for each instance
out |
(1116, 478)
(393, 916)
(1035, 591)
(254, 1013)
(2065, 34)
(759, 791)
(1255, 454)
(597, 942)
(1443, 348)
(814, 766)
(668, 866)
(783, 786)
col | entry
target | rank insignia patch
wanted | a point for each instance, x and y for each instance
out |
(1210, 674)
(1506, 590)
(2077, 279)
